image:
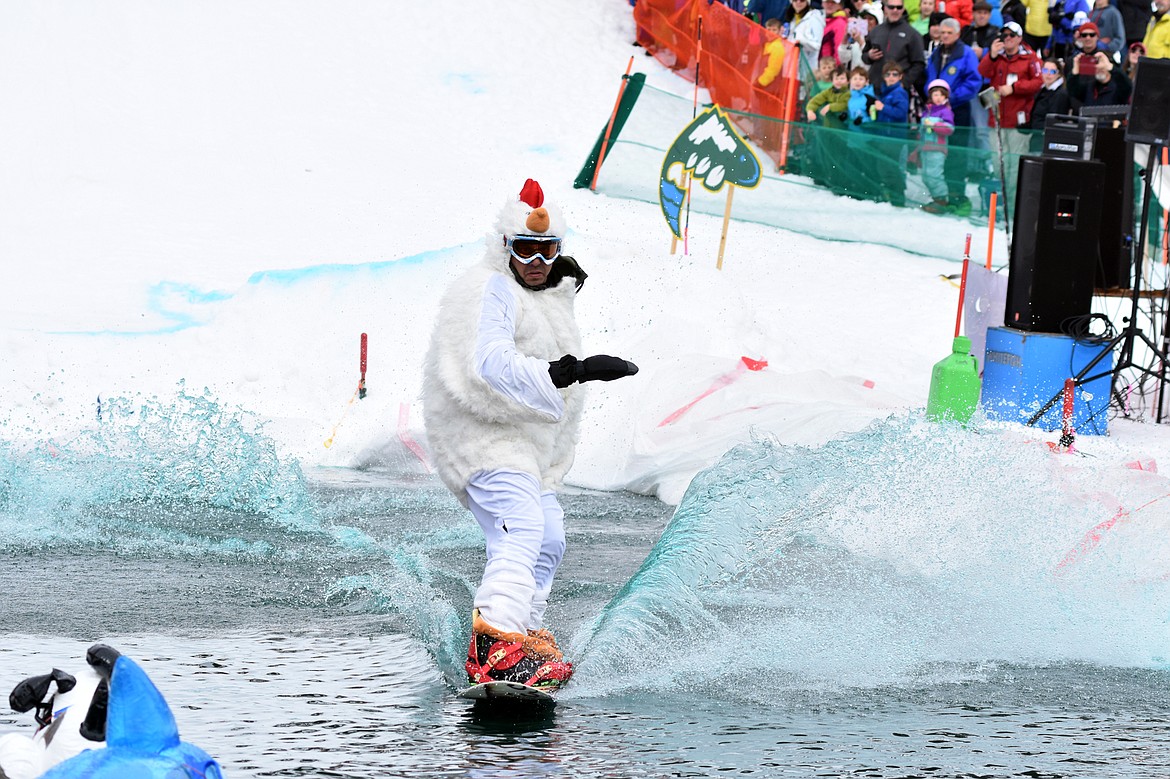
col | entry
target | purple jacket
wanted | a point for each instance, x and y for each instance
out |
(938, 121)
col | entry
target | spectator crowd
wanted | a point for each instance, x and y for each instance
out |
(952, 85)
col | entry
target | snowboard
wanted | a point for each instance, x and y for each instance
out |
(506, 691)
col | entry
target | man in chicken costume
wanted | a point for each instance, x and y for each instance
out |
(502, 412)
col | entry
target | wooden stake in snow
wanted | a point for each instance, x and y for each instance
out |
(710, 152)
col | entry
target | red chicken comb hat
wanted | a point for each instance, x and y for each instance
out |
(532, 194)
(531, 214)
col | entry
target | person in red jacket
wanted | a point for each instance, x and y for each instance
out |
(957, 9)
(1013, 72)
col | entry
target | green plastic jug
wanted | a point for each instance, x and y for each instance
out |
(954, 385)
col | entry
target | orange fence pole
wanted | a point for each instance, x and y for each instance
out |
(609, 127)
(991, 227)
(789, 109)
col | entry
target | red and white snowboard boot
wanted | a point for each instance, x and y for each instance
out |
(533, 659)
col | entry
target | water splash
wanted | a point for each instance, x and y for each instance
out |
(186, 468)
(904, 552)
(424, 596)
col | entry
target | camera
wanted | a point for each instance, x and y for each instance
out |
(1003, 33)
(1056, 12)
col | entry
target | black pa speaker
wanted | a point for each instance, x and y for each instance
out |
(1110, 147)
(1149, 110)
(1068, 136)
(1055, 250)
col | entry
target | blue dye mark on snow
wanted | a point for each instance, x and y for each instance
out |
(464, 81)
(183, 306)
(178, 302)
(338, 270)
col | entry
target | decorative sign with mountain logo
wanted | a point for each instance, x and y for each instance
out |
(711, 152)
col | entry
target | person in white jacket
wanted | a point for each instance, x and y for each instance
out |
(501, 413)
(805, 25)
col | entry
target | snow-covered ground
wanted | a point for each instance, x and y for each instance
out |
(220, 197)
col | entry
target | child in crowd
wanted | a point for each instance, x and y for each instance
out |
(824, 74)
(893, 105)
(773, 53)
(826, 150)
(893, 114)
(832, 104)
(862, 108)
(938, 121)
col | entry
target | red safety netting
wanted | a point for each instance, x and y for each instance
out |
(731, 57)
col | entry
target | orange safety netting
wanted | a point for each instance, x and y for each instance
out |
(731, 58)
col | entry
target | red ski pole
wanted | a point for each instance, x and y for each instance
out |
(362, 381)
(963, 285)
(1067, 433)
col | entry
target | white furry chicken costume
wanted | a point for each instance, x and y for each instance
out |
(502, 434)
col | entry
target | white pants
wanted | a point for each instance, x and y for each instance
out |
(525, 534)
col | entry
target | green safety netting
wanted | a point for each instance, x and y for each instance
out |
(829, 179)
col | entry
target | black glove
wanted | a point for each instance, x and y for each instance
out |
(599, 367)
(857, 121)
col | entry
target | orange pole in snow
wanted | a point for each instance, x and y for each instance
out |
(609, 127)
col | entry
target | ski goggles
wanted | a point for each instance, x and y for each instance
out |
(527, 248)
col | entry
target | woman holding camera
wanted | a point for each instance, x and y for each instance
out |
(1051, 99)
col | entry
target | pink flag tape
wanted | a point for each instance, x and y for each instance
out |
(744, 364)
(407, 439)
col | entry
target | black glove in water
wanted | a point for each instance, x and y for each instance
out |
(599, 367)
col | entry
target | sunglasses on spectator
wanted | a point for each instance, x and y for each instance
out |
(1049, 70)
(894, 7)
(1086, 35)
(527, 248)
